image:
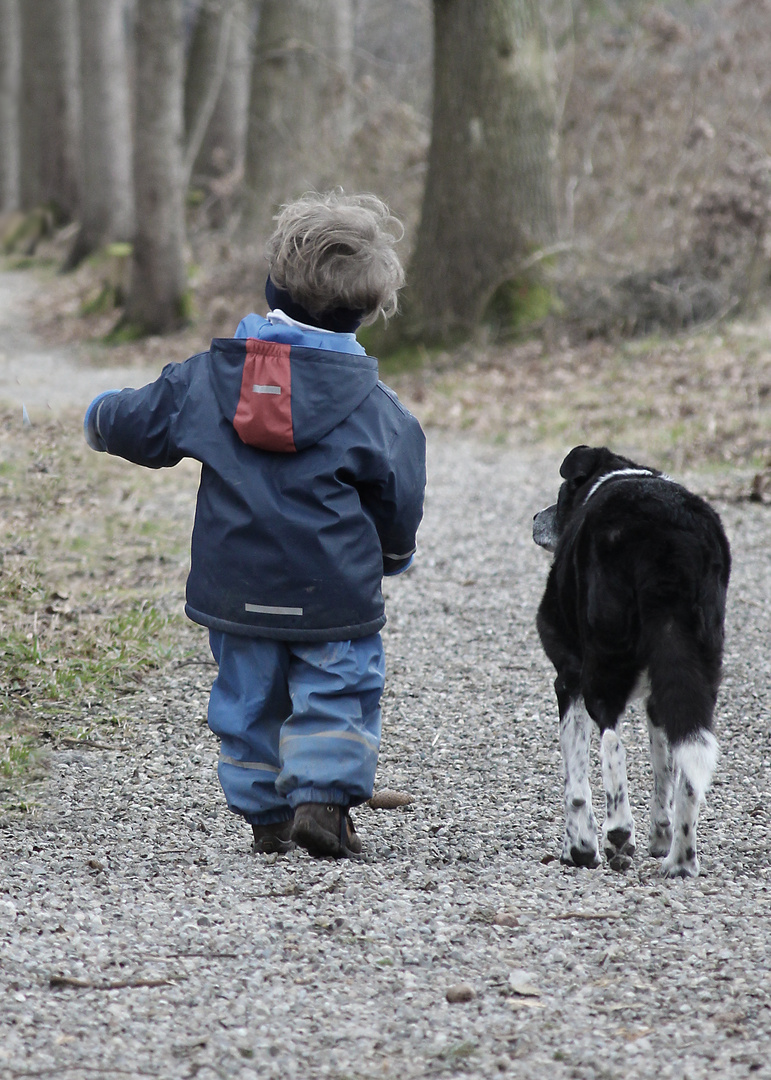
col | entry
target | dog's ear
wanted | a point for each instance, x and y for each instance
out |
(580, 463)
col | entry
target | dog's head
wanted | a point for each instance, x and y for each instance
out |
(581, 470)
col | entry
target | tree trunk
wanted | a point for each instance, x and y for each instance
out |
(489, 200)
(50, 106)
(107, 211)
(157, 292)
(10, 73)
(217, 88)
(299, 106)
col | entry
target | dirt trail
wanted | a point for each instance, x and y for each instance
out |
(42, 378)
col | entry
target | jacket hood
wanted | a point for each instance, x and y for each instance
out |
(286, 397)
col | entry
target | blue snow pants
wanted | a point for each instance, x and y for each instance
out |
(298, 722)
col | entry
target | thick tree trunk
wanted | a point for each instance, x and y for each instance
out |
(157, 292)
(490, 190)
(107, 211)
(10, 73)
(50, 105)
(299, 106)
(217, 87)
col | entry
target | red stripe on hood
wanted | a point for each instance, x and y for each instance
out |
(264, 412)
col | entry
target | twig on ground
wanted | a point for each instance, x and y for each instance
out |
(60, 982)
(587, 915)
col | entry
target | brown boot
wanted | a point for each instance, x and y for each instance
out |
(324, 829)
(269, 839)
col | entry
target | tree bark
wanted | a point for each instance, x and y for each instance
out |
(50, 106)
(10, 74)
(300, 105)
(157, 291)
(217, 88)
(489, 199)
(107, 211)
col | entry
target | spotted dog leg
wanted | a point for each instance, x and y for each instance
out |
(618, 839)
(694, 762)
(660, 834)
(580, 846)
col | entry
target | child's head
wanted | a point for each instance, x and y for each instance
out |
(334, 255)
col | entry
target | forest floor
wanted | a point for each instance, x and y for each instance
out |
(140, 938)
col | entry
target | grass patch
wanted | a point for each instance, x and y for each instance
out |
(45, 669)
(93, 558)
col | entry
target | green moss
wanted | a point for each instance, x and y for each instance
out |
(186, 307)
(106, 299)
(517, 306)
(124, 333)
(27, 230)
(120, 249)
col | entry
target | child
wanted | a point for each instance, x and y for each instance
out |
(312, 483)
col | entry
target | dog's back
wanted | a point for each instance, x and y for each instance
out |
(644, 566)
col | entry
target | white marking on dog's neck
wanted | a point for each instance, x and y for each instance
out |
(627, 472)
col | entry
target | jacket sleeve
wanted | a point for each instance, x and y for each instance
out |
(396, 503)
(140, 425)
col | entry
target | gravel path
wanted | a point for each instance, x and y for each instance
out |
(41, 378)
(141, 939)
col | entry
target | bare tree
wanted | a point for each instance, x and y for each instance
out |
(50, 105)
(217, 87)
(10, 71)
(157, 293)
(299, 106)
(489, 199)
(107, 210)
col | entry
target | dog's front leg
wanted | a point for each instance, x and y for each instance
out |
(618, 839)
(580, 846)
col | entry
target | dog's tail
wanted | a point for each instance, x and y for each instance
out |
(684, 679)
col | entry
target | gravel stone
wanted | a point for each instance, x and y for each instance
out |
(140, 938)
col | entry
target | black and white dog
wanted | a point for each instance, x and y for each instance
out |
(635, 598)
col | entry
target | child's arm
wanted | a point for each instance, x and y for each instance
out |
(139, 425)
(396, 503)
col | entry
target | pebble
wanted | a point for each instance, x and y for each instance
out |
(460, 992)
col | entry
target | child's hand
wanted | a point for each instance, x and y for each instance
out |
(91, 422)
(392, 566)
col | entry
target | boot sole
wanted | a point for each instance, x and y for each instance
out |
(272, 847)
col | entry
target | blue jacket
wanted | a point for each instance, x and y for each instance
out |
(312, 478)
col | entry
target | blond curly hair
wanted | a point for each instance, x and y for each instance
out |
(337, 251)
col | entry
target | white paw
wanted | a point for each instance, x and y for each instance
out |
(619, 845)
(660, 840)
(676, 865)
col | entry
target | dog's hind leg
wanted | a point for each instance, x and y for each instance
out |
(618, 839)
(580, 845)
(695, 761)
(660, 833)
